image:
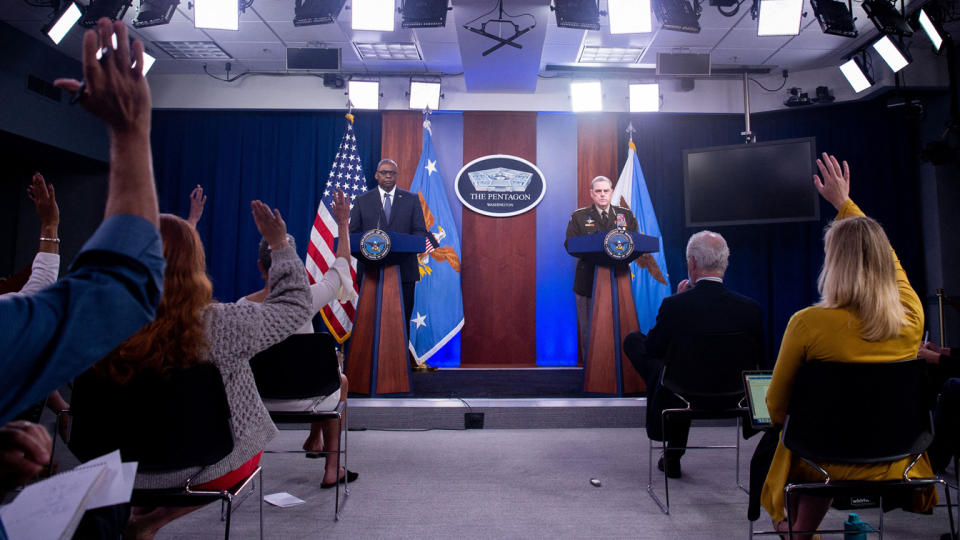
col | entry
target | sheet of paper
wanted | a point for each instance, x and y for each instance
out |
(117, 484)
(282, 499)
(51, 508)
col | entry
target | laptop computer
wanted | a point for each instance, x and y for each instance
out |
(756, 384)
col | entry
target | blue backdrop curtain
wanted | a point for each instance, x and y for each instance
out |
(778, 264)
(281, 158)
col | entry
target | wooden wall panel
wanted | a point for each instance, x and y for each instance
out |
(499, 254)
(596, 152)
(401, 141)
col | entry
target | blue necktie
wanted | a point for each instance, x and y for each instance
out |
(386, 206)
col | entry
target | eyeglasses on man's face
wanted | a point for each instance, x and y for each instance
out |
(386, 173)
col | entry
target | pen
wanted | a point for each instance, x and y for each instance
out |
(925, 336)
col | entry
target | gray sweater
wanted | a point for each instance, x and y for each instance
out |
(236, 333)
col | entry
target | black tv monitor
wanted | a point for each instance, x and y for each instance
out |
(770, 182)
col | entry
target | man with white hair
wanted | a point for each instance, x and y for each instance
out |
(701, 306)
(601, 216)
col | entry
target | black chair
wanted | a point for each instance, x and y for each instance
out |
(301, 367)
(704, 374)
(860, 413)
(173, 422)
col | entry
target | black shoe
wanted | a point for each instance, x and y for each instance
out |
(673, 467)
(350, 476)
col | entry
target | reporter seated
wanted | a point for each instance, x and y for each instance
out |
(868, 312)
(191, 328)
(337, 284)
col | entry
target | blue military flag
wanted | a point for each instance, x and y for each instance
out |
(438, 302)
(649, 280)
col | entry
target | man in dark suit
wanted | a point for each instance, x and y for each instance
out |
(392, 209)
(601, 216)
(701, 306)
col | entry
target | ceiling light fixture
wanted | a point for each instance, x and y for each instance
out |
(834, 17)
(97, 9)
(500, 22)
(856, 75)
(372, 15)
(678, 15)
(629, 16)
(594, 54)
(216, 14)
(586, 96)
(780, 17)
(364, 94)
(645, 97)
(387, 51)
(424, 94)
(423, 14)
(311, 12)
(155, 12)
(891, 54)
(579, 14)
(69, 17)
(884, 15)
(930, 28)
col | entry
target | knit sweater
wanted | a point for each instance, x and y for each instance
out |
(236, 333)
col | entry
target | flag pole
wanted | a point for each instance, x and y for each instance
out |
(630, 131)
(349, 115)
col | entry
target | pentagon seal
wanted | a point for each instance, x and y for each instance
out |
(375, 244)
(618, 244)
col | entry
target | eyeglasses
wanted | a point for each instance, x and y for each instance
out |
(387, 173)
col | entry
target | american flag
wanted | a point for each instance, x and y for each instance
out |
(346, 173)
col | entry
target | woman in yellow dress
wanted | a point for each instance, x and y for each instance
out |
(868, 312)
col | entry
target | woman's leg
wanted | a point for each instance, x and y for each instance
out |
(807, 512)
(331, 437)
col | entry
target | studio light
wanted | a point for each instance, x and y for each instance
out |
(111, 9)
(155, 12)
(929, 28)
(891, 54)
(64, 23)
(586, 96)
(372, 15)
(629, 16)
(856, 75)
(780, 17)
(423, 14)
(645, 97)
(678, 15)
(310, 12)
(364, 94)
(424, 94)
(834, 18)
(579, 14)
(886, 18)
(147, 63)
(216, 14)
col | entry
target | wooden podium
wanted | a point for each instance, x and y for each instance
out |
(607, 370)
(377, 361)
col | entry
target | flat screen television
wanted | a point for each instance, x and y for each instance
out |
(770, 182)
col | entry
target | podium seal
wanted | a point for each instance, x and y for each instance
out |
(618, 244)
(375, 244)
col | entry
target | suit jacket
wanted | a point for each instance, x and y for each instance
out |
(707, 308)
(406, 217)
(585, 221)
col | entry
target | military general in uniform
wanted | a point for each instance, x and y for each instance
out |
(601, 216)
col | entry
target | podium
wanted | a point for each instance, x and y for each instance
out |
(606, 370)
(377, 361)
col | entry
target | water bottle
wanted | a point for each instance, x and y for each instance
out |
(854, 528)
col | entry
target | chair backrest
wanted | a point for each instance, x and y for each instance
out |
(301, 366)
(859, 412)
(170, 422)
(710, 365)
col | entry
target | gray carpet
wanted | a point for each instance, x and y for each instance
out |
(510, 483)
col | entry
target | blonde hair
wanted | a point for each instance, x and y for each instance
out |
(859, 274)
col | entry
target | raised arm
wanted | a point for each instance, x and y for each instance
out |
(341, 213)
(117, 93)
(197, 200)
(46, 264)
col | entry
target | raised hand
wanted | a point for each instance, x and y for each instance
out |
(197, 200)
(113, 87)
(341, 207)
(270, 224)
(835, 186)
(45, 201)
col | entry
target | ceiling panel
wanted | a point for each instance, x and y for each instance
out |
(244, 50)
(249, 31)
(321, 33)
(708, 37)
(733, 56)
(740, 38)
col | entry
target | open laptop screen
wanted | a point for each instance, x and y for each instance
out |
(756, 384)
